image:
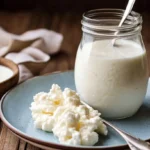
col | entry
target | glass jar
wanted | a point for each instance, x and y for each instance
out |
(112, 78)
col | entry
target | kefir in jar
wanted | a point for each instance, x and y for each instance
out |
(111, 78)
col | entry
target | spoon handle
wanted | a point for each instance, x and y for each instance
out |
(126, 13)
(132, 147)
(133, 142)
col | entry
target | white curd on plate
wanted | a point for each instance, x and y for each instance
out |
(62, 113)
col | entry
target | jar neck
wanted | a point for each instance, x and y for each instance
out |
(104, 22)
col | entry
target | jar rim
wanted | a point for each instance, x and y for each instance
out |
(95, 20)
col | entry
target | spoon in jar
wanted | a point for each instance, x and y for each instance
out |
(133, 142)
(125, 15)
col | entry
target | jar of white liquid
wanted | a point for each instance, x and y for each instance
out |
(111, 78)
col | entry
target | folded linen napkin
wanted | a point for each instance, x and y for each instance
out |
(30, 50)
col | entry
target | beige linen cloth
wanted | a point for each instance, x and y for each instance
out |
(30, 50)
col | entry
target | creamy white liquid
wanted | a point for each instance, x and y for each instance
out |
(112, 79)
(5, 73)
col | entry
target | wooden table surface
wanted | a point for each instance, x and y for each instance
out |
(69, 25)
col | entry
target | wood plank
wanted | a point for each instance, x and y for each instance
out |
(146, 30)
(11, 141)
(8, 141)
(40, 20)
(56, 20)
(29, 21)
(15, 22)
(31, 147)
(146, 35)
(22, 145)
(3, 137)
(58, 62)
(66, 28)
(69, 26)
(0, 126)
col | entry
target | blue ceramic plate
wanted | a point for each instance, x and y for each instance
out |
(16, 115)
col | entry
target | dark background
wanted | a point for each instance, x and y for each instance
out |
(70, 5)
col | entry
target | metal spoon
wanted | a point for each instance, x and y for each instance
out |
(125, 15)
(133, 142)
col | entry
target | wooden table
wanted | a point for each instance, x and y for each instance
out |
(69, 25)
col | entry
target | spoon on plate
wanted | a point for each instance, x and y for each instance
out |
(125, 15)
(133, 142)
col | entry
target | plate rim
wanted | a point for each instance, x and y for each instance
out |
(42, 142)
(39, 145)
(31, 142)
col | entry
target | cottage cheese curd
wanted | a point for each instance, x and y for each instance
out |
(63, 114)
